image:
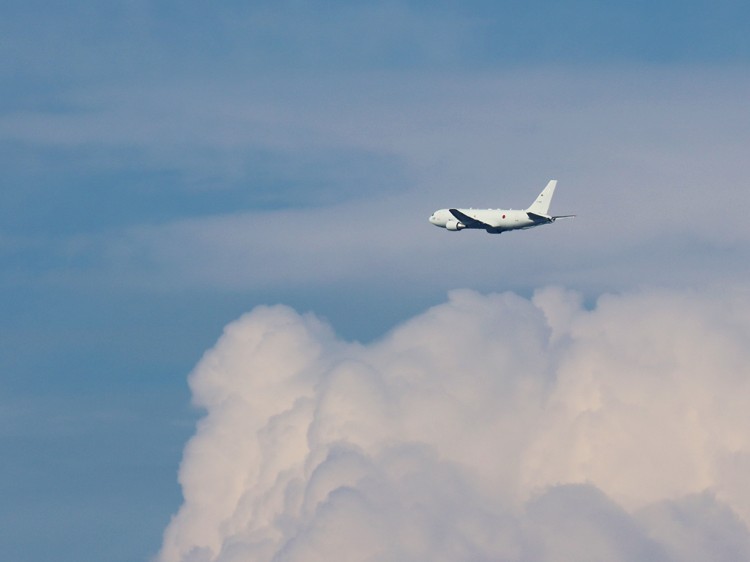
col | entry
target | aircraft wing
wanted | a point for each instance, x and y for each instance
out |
(469, 221)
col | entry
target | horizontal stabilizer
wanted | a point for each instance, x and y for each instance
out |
(538, 217)
(547, 218)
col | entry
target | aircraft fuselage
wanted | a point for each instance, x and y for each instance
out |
(496, 220)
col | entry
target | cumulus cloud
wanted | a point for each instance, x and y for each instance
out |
(490, 427)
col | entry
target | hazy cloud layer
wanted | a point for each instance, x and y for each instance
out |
(304, 181)
(489, 427)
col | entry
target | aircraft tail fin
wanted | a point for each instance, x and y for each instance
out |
(541, 205)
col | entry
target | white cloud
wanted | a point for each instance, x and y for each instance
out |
(489, 427)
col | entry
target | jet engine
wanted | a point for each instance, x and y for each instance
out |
(454, 225)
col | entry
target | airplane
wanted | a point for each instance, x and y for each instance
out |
(497, 221)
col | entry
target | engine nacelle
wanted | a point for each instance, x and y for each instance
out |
(454, 225)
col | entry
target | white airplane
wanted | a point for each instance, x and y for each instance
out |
(496, 221)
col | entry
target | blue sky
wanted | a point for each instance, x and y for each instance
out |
(167, 166)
